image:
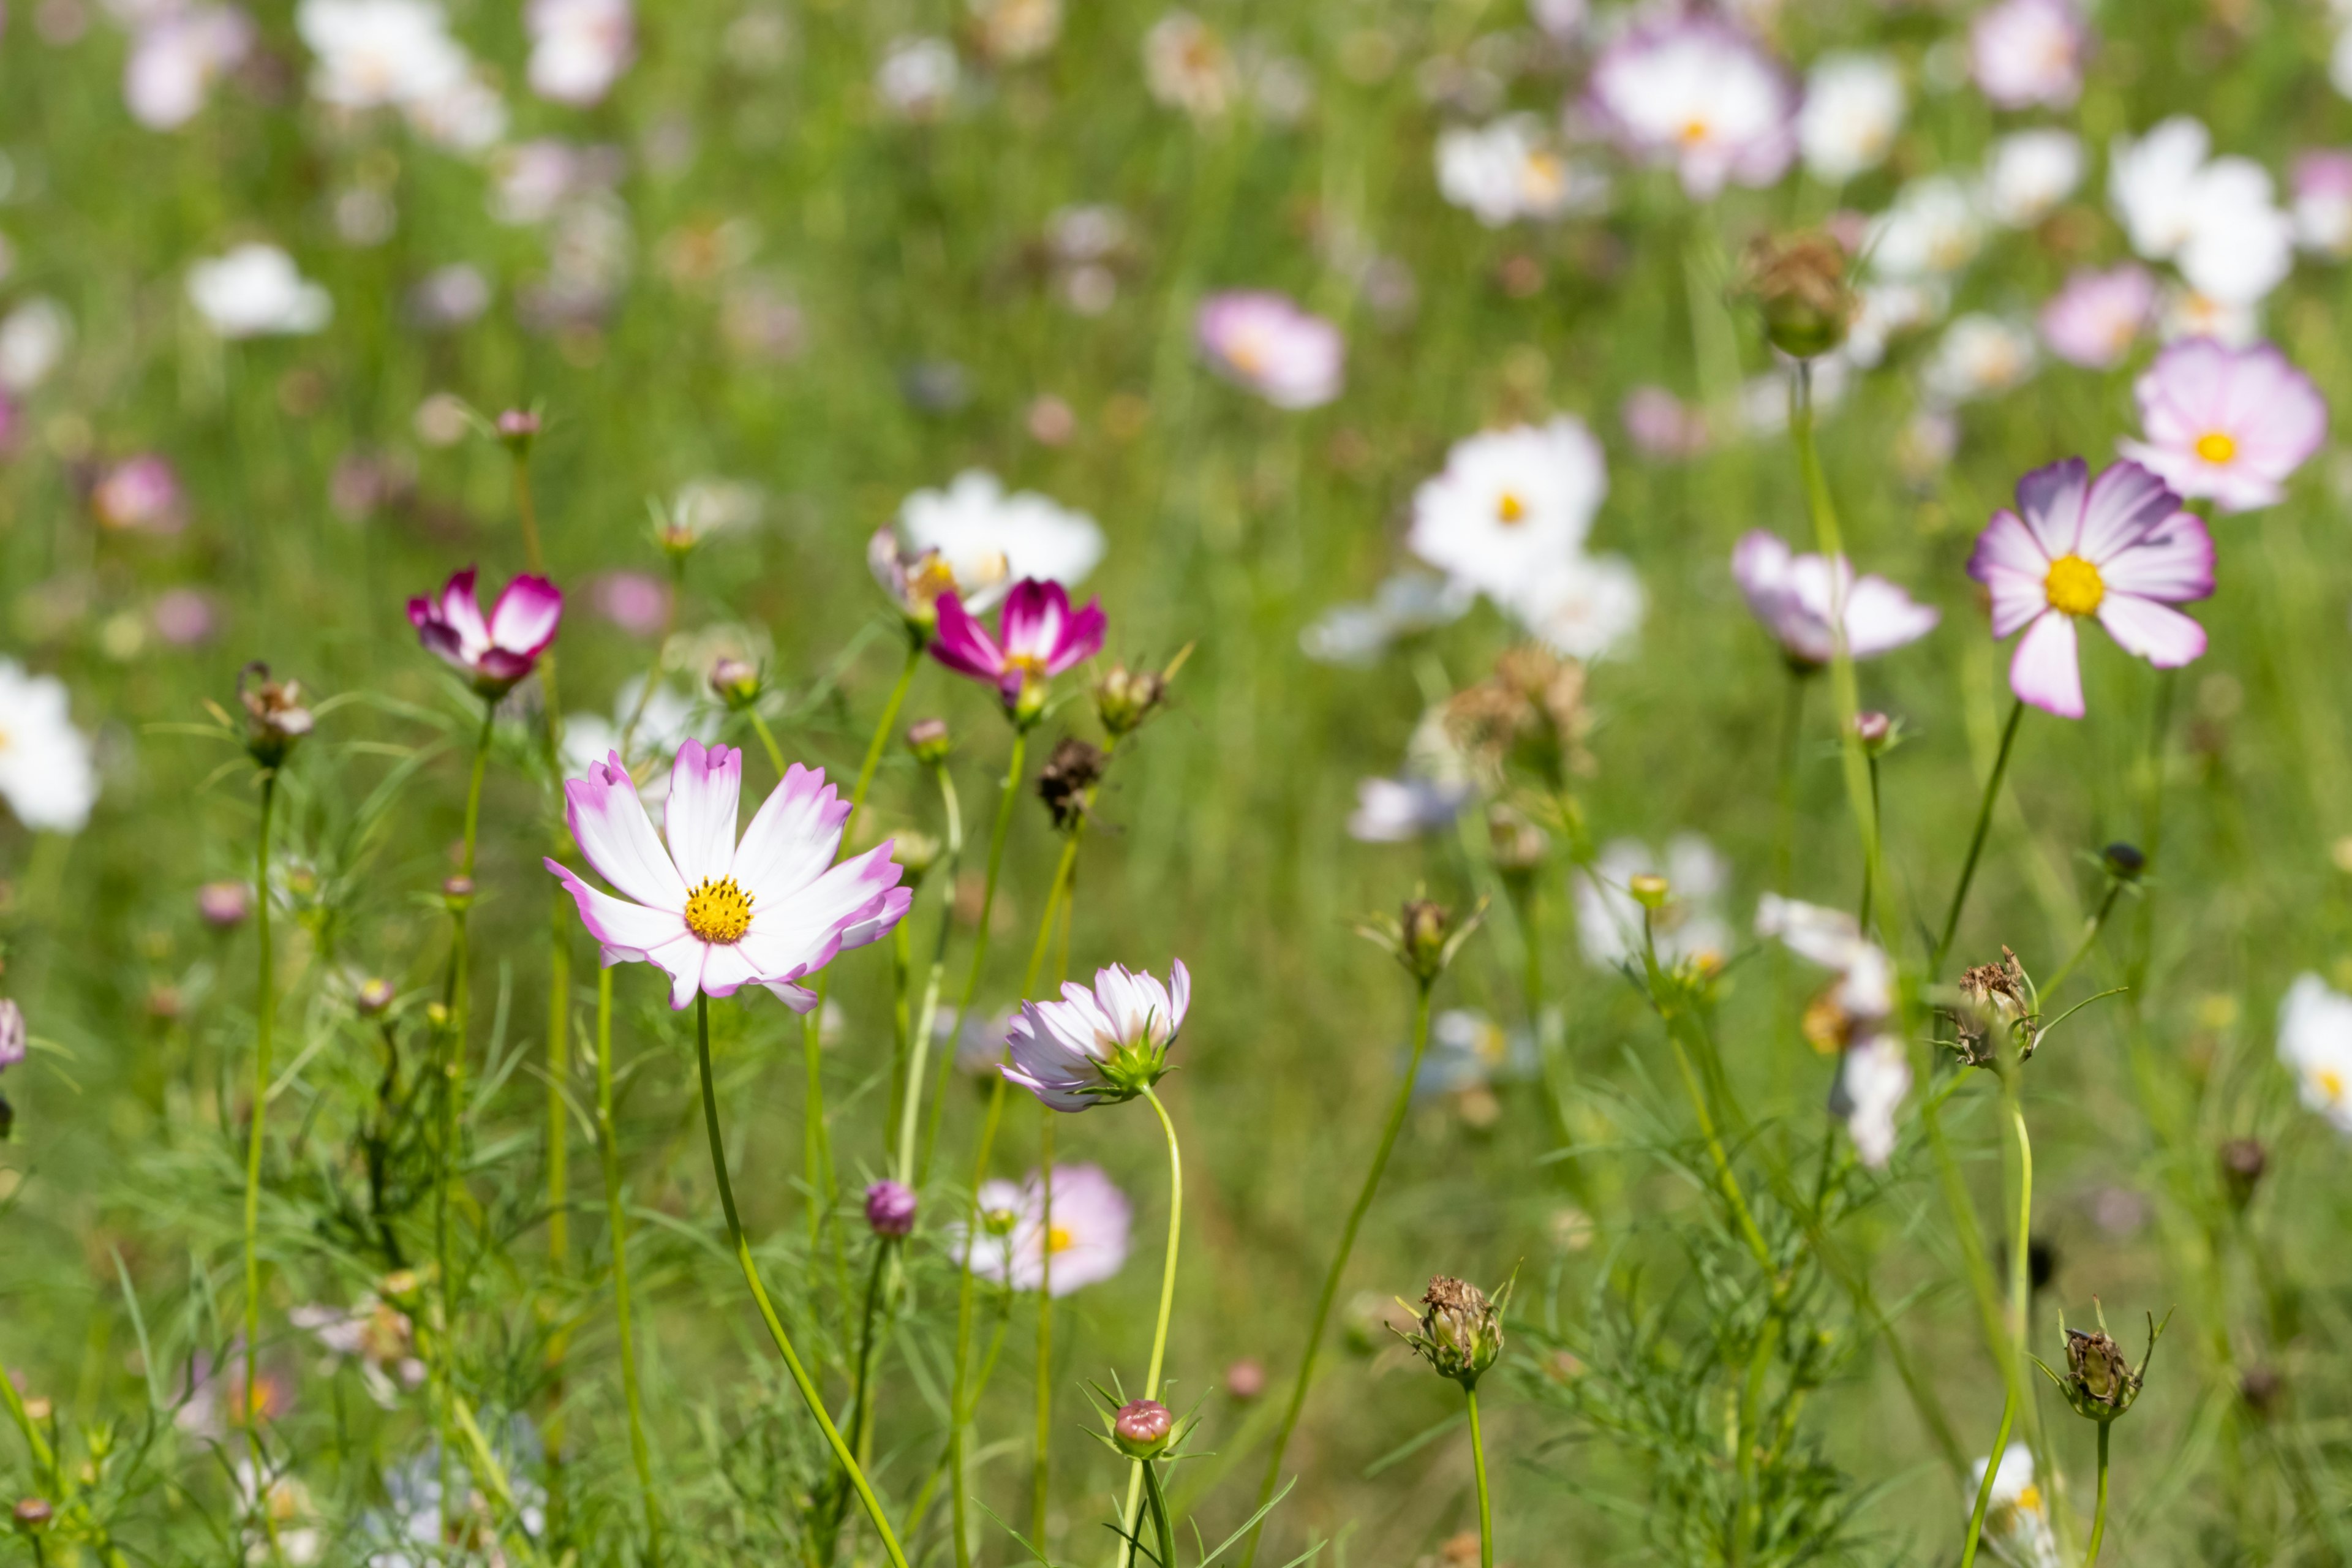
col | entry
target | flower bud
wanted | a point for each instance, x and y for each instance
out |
(916, 852)
(2244, 1160)
(1143, 1427)
(1246, 1379)
(1067, 779)
(929, 740)
(224, 905)
(1461, 1330)
(15, 1036)
(516, 429)
(457, 891)
(2099, 1383)
(1124, 699)
(2123, 862)
(1799, 284)
(33, 1514)
(374, 994)
(1650, 890)
(1423, 925)
(890, 1209)
(275, 717)
(736, 683)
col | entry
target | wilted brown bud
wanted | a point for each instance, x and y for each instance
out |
(2099, 1383)
(1142, 1429)
(1067, 779)
(275, 717)
(2244, 1160)
(2000, 1003)
(929, 740)
(736, 683)
(1460, 1332)
(1799, 284)
(1124, 697)
(2261, 1388)
(33, 1514)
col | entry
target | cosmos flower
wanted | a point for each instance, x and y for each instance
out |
(2321, 187)
(1510, 504)
(1933, 230)
(1581, 607)
(714, 914)
(254, 291)
(2017, 1521)
(2029, 173)
(2118, 547)
(175, 57)
(1470, 1051)
(496, 653)
(1406, 604)
(1662, 425)
(1086, 1240)
(985, 540)
(1864, 987)
(378, 53)
(1792, 595)
(1851, 1017)
(917, 79)
(2228, 422)
(1394, 811)
(1264, 342)
(1885, 310)
(1038, 636)
(14, 1036)
(2215, 218)
(1853, 106)
(1186, 66)
(2094, 321)
(578, 48)
(1102, 1046)
(1699, 94)
(1511, 170)
(34, 337)
(47, 773)
(2029, 53)
(2314, 1043)
(140, 495)
(1979, 355)
(1690, 928)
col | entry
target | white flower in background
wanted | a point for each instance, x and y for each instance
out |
(2322, 184)
(292, 1534)
(1864, 987)
(2029, 173)
(254, 291)
(2028, 52)
(1013, 30)
(175, 57)
(1979, 356)
(1510, 505)
(1510, 169)
(1853, 106)
(1689, 926)
(706, 506)
(1885, 311)
(987, 536)
(1874, 1075)
(469, 118)
(2315, 1042)
(375, 54)
(669, 720)
(917, 79)
(1468, 1050)
(46, 775)
(2339, 58)
(1698, 93)
(1584, 607)
(2188, 314)
(579, 48)
(2216, 218)
(2017, 1520)
(34, 337)
(1406, 604)
(1393, 811)
(1933, 230)
(1187, 67)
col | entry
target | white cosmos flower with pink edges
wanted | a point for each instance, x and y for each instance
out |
(2094, 321)
(2028, 52)
(1265, 343)
(1699, 93)
(2228, 422)
(1099, 1046)
(713, 913)
(2118, 547)
(1792, 595)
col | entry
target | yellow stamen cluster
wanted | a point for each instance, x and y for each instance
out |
(2073, 586)
(2217, 446)
(1694, 131)
(717, 911)
(1509, 507)
(1058, 1239)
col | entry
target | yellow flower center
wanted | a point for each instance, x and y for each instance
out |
(2030, 1499)
(1510, 509)
(2330, 1081)
(1059, 1239)
(2073, 586)
(1694, 131)
(717, 911)
(2217, 446)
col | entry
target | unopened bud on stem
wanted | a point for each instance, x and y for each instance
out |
(929, 740)
(1143, 1427)
(1461, 1330)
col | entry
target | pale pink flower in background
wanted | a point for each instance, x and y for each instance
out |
(1662, 425)
(1873, 1070)
(184, 618)
(1885, 310)
(1405, 605)
(1792, 596)
(2322, 187)
(1853, 106)
(1510, 504)
(175, 55)
(2094, 321)
(140, 495)
(2029, 173)
(1701, 95)
(714, 914)
(918, 78)
(1015, 30)
(2118, 547)
(34, 337)
(1865, 988)
(381, 53)
(636, 601)
(2017, 1519)
(1101, 1044)
(1263, 342)
(1083, 1244)
(2029, 53)
(1874, 1075)
(579, 48)
(2228, 422)
(494, 651)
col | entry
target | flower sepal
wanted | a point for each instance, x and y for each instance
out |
(2099, 1383)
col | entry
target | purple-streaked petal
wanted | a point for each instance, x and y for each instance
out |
(792, 837)
(698, 818)
(440, 637)
(799, 998)
(462, 613)
(2051, 500)
(610, 823)
(2046, 671)
(963, 645)
(2157, 633)
(2175, 562)
(526, 616)
(2124, 503)
(2013, 566)
(1180, 992)
(800, 933)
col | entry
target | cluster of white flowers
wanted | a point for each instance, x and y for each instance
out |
(2216, 219)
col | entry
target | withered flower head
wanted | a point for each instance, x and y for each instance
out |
(1069, 776)
(1999, 1000)
(275, 717)
(1530, 712)
(1799, 284)
(1460, 1332)
(2099, 1383)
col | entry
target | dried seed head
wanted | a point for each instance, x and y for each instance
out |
(1519, 844)
(929, 740)
(1143, 1427)
(2099, 1382)
(1461, 1330)
(2000, 1006)
(274, 715)
(1068, 778)
(1799, 284)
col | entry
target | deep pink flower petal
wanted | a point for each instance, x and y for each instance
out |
(463, 612)
(2046, 671)
(699, 819)
(439, 637)
(1031, 623)
(526, 616)
(963, 645)
(2157, 633)
(1082, 639)
(613, 832)
(792, 837)
(502, 667)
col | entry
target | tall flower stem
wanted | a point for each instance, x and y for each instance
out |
(1160, 1328)
(2099, 1513)
(1679, 1022)
(609, 1149)
(1006, 797)
(1040, 1467)
(960, 1397)
(453, 1045)
(1486, 1504)
(919, 1046)
(1320, 1318)
(263, 1025)
(2020, 1287)
(1977, 838)
(881, 737)
(816, 1402)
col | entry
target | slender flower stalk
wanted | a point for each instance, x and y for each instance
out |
(816, 1402)
(1977, 838)
(2020, 1286)
(2099, 1513)
(263, 1025)
(1006, 795)
(609, 1148)
(911, 1110)
(1128, 1514)
(1040, 1467)
(1485, 1505)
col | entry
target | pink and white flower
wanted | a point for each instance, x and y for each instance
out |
(1510, 169)
(1698, 93)
(713, 913)
(1102, 1046)
(1083, 1243)
(1851, 1017)
(1038, 636)
(140, 495)
(2228, 422)
(496, 653)
(2025, 53)
(2322, 187)
(579, 48)
(1793, 596)
(175, 55)
(1264, 342)
(2118, 547)
(2094, 321)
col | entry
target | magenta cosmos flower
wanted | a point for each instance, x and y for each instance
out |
(2118, 547)
(1099, 1046)
(2028, 52)
(2230, 424)
(1696, 92)
(1263, 342)
(714, 914)
(1792, 593)
(1038, 637)
(501, 651)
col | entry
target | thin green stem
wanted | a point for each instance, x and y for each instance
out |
(1977, 838)
(861, 1404)
(1006, 797)
(1159, 1329)
(816, 1402)
(918, 1050)
(1040, 1468)
(1163, 1527)
(1321, 1316)
(881, 738)
(768, 741)
(1664, 996)
(609, 1149)
(2090, 938)
(1486, 1503)
(2099, 1513)
(457, 997)
(959, 1401)
(264, 1027)
(1984, 1487)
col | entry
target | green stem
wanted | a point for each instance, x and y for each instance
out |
(2082, 949)
(609, 1148)
(841, 1453)
(2099, 1513)
(1486, 1504)
(881, 738)
(861, 1404)
(1677, 1020)
(918, 1050)
(1976, 838)
(768, 741)
(1159, 1329)
(458, 996)
(1321, 1316)
(958, 1400)
(1006, 797)
(1984, 1487)
(1163, 1527)
(264, 1021)
(1041, 1465)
